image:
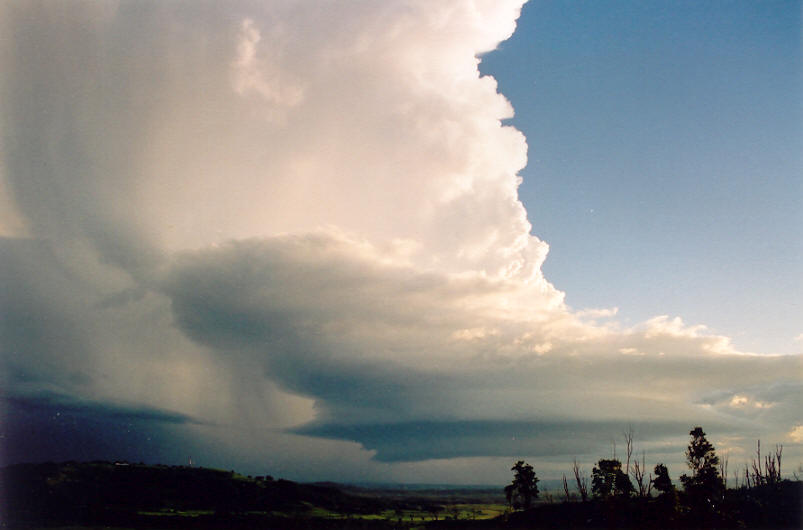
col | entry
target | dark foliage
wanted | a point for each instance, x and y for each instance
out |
(665, 506)
(608, 479)
(754, 508)
(703, 490)
(662, 483)
(524, 488)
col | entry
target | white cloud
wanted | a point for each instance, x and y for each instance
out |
(262, 76)
(744, 401)
(738, 401)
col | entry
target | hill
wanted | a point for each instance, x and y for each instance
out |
(109, 493)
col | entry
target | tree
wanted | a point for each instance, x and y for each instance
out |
(608, 479)
(643, 483)
(582, 483)
(566, 494)
(770, 473)
(628, 434)
(662, 483)
(524, 488)
(700, 454)
(667, 500)
(704, 487)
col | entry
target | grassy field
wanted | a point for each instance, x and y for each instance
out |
(410, 519)
(450, 511)
(461, 511)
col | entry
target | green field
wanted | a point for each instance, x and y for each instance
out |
(449, 511)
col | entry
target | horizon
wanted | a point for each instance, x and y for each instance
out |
(400, 242)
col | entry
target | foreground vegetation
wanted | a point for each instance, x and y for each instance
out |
(122, 495)
(628, 496)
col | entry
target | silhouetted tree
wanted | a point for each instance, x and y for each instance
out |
(582, 483)
(566, 489)
(628, 434)
(667, 501)
(770, 472)
(524, 488)
(662, 482)
(704, 488)
(608, 479)
(702, 461)
(643, 483)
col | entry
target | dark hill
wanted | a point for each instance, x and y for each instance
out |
(104, 492)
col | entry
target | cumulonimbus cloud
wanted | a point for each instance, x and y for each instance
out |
(377, 345)
(305, 218)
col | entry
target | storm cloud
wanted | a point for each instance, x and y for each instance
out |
(270, 224)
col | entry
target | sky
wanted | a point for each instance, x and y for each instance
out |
(398, 241)
(665, 140)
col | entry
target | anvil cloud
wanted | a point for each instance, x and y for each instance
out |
(228, 227)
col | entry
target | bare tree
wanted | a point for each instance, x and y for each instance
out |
(758, 473)
(643, 483)
(582, 481)
(628, 434)
(772, 465)
(639, 470)
(723, 469)
(768, 469)
(778, 455)
(566, 489)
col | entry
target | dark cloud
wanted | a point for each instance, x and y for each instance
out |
(41, 312)
(410, 441)
(58, 427)
(69, 405)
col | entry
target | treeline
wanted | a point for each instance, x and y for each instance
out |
(628, 495)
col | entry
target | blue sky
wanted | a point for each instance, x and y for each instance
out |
(289, 238)
(664, 158)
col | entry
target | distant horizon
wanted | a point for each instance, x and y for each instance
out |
(545, 484)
